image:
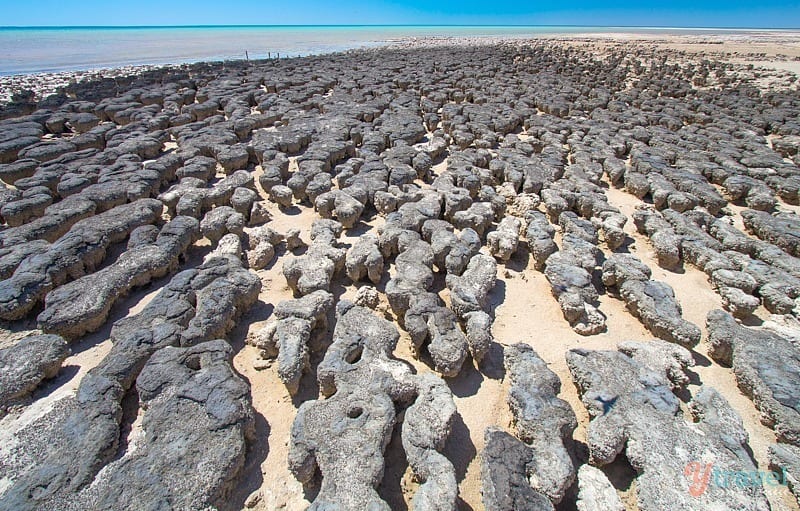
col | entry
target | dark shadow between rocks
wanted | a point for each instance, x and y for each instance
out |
(439, 159)
(570, 501)
(751, 320)
(684, 394)
(459, 448)
(492, 364)
(424, 356)
(519, 261)
(396, 464)
(130, 412)
(620, 473)
(467, 382)
(625, 247)
(368, 215)
(312, 488)
(496, 298)
(694, 378)
(463, 506)
(292, 210)
(251, 478)
(701, 360)
(359, 229)
(677, 270)
(597, 281)
(308, 389)
(439, 282)
(578, 453)
(65, 374)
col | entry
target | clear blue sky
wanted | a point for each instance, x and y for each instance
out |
(690, 13)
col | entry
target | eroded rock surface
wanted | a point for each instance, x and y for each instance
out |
(634, 412)
(361, 382)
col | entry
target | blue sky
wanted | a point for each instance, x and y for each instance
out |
(693, 13)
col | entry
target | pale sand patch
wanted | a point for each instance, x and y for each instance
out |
(267, 470)
(781, 65)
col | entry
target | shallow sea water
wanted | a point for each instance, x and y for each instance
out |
(54, 49)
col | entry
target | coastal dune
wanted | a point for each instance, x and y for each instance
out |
(461, 273)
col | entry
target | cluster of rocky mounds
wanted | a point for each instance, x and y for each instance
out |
(454, 168)
(68, 458)
(361, 385)
(766, 365)
(746, 271)
(629, 396)
(651, 301)
(535, 469)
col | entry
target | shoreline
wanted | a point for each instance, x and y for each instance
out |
(29, 53)
(776, 46)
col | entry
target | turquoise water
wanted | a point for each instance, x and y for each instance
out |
(33, 50)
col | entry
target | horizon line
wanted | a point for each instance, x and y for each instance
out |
(491, 25)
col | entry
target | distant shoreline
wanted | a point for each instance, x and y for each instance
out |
(28, 50)
(776, 49)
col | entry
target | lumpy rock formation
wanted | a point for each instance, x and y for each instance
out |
(443, 275)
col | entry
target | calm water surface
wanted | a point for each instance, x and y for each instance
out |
(32, 50)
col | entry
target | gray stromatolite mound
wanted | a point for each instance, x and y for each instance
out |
(543, 421)
(289, 336)
(767, 369)
(220, 221)
(783, 230)
(503, 241)
(77, 438)
(634, 411)
(539, 459)
(341, 205)
(665, 241)
(192, 397)
(651, 301)
(261, 243)
(364, 259)
(314, 270)
(362, 384)
(569, 272)
(72, 311)
(504, 478)
(24, 365)
(469, 291)
(428, 318)
(58, 218)
(76, 253)
(539, 234)
(413, 272)
(452, 252)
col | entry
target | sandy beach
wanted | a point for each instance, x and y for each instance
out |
(255, 190)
